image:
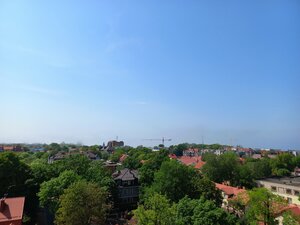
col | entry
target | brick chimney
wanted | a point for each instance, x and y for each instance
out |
(2, 204)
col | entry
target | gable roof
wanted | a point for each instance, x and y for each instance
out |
(188, 160)
(229, 190)
(126, 174)
(12, 210)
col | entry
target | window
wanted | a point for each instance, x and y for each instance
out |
(273, 188)
(289, 191)
(289, 200)
(296, 193)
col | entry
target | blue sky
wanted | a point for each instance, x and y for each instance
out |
(88, 71)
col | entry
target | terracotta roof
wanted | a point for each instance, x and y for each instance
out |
(172, 156)
(229, 190)
(199, 165)
(8, 148)
(295, 210)
(188, 160)
(242, 159)
(13, 209)
(123, 157)
(291, 208)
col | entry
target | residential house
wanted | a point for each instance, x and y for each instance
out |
(219, 152)
(11, 210)
(292, 209)
(195, 161)
(12, 148)
(228, 193)
(191, 152)
(256, 156)
(111, 166)
(296, 171)
(172, 156)
(111, 145)
(128, 188)
(123, 158)
(62, 155)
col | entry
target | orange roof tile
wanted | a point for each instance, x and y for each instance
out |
(199, 165)
(229, 190)
(188, 160)
(123, 157)
(172, 156)
(13, 209)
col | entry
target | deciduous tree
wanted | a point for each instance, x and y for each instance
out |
(51, 190)
(82, 203)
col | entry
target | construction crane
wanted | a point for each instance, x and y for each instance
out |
(159, 139)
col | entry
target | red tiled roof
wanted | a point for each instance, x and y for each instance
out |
(291, 208)
(199, 165)
(195, 161)
(13, 209)
(8, 148)
(229, 190)
(187, 160)
(172, 156)
(123, 157)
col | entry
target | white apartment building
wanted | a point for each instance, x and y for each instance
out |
(287, 187)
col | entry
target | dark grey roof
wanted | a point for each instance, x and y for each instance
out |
(292, 181)
(126, 174)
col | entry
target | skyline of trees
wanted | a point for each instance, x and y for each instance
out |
(172, 184)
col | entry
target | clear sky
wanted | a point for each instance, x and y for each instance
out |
(88, 71)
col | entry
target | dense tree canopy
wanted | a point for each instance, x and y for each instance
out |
(51, 190)
(221, 168)
(170, 192)
(13, 174)
(96, 173)
(263, 206)
(175, 180)
(152, 165)
(77, 163)
(159, 210)
(82, 204)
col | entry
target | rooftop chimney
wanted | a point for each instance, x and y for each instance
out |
(2, 204)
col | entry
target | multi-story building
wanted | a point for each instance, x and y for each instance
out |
(12, 148)
(111, 145)
(287, 187)
(128, 188)
(191, 152)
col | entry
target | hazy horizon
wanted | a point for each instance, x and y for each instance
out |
(87, 72)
